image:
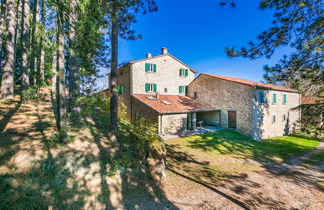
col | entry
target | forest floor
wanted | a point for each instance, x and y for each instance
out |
(210, 171)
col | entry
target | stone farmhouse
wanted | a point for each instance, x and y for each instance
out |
(165, 91)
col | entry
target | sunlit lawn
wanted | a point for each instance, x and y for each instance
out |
(231, 143)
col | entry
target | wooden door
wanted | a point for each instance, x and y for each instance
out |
(231, 119)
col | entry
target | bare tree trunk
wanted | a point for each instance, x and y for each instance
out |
(2, 27)
(17, 27)
(25, 43)
(7, 85)
(74, 76)
(54, 69)
(113, 79)
(41, 66)
(60, 79)
(33, 63)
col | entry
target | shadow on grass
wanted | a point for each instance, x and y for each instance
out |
(273, 154)
(229, 185)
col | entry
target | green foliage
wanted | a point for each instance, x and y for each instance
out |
(32, 93)
(299, 25)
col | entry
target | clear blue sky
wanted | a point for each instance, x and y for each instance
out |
(197, 33)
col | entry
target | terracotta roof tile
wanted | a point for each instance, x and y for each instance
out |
(252, 83)
(173, 104)
(311, 100)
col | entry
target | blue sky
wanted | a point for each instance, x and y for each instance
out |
(197, 33)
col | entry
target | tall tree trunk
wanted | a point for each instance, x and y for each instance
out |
(33, 63)
(54, 70)
(113, 79)
(7, 85)
(74, 76)
(25, 43)
(17, 28)
(41, 66)
(60, 79)
(2, 27)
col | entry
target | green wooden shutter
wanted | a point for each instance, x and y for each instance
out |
(186, 88)
(154, 68)
(122, 89)
(118, 89)
(284, 98)
(180, 72)
(155, 87)
(147, 66)
(147, 87)
(274, 100)
(186, 72)
(180, 89)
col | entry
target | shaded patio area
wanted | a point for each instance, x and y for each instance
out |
(197, 131)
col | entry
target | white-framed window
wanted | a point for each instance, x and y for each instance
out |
(183, 89)
(150, 67)
(183, 72)
(273, 119)
(150, 87)
(283, 118)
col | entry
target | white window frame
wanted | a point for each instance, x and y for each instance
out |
(151, 67)
(151, 87)
(283, 118)
(273, 119)
(183, 72)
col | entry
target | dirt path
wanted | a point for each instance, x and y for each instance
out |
(198, 181)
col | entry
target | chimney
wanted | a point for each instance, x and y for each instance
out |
(164, 50)
(157, 95)
(148, 55)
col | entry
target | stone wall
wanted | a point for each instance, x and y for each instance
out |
(141, 109)
(166, 76)
(173, 123)
(123, 78)
(225, 96)
(285, 117)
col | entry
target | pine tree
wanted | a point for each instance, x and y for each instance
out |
(74, 69)
(7, 85)
(60, 76)
(2, 27)
(24, 45)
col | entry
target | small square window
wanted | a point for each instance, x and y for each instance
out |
(195, 95)
(121, 73)
(165, 90)
(273, 118)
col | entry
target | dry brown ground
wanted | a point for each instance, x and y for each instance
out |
(199, 180)
(37, 172)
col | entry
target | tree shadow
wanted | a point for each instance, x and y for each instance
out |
(7, 116)
(137, 188)
(230, 186)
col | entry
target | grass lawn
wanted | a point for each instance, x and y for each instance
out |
(231, 143)
(316, 159)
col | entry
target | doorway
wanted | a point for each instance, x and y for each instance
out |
(231, 119)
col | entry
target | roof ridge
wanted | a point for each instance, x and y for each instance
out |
(251, 83)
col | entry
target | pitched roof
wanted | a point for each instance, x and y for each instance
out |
(167, 104)
(312, 100)
(166, 54)
(252, 83)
